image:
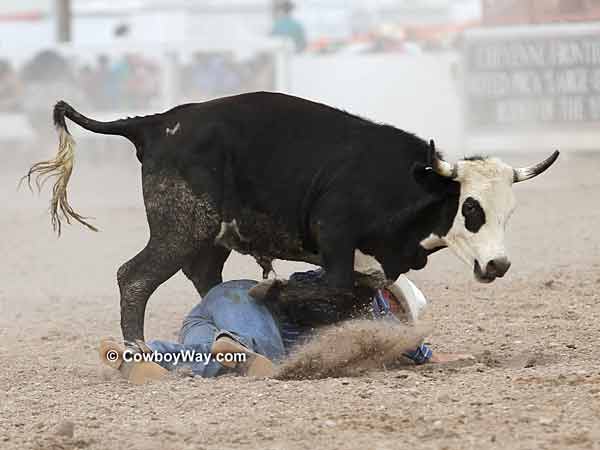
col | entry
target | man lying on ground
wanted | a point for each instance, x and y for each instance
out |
(238, 327)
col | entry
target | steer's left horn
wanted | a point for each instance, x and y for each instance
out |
(527, 173)
(440, 166)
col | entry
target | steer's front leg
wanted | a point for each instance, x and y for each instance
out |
(338, 262)
(319, 298)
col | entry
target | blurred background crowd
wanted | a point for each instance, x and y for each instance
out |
(134, 79)
(396, 61)
(129, 82)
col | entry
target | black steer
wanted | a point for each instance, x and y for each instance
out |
(296, 180)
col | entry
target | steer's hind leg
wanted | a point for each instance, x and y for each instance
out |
(139, 277)
(204, 268)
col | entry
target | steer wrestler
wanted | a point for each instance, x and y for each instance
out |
(237, 317)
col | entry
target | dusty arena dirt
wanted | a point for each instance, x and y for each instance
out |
(535, 384)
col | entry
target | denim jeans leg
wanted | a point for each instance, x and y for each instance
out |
(226, 308)
(194, 357)
(230, 308)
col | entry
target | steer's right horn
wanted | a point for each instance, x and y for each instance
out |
(527, 173)
(440, 166)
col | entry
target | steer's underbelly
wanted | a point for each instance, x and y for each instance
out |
(264, 237)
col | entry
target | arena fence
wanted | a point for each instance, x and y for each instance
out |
(127, 80)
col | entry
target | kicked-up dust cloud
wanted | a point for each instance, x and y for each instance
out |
(350, 349)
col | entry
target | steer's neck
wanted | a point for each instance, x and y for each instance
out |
(421, 218)
(396, 243)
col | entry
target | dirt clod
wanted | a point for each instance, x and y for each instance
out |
(66, 428)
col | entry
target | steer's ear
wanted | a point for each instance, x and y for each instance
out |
(428, 179)
(425, 176)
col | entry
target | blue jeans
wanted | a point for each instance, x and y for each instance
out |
(227, 308)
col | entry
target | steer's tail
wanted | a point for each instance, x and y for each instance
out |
(61, 166)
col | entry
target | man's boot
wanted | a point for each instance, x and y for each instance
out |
(254, 365)
(111, 354)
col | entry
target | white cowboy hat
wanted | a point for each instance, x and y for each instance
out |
(409, 296)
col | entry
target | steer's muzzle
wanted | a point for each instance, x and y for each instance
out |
(496, 268)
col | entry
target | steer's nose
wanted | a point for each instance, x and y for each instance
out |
(498, 267)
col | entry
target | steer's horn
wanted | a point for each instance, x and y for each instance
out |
(440, 166)
(526, 173)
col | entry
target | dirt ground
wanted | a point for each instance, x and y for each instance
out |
(536, 382)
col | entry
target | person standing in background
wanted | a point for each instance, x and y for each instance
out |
(11, 90)
(284, 25)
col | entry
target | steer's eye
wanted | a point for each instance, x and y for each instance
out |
(474, 214)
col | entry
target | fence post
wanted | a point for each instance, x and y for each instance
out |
(63, 20)
(283, 70)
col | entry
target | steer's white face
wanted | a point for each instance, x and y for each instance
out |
(485, 206)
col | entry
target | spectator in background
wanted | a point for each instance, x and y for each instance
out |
(105, 87)
(47, 77)
(136, 82)
(86, 82)
(216, 74)
(10, 88)
(121, 74)
(212, 75)
(50, 66)
(225, 74)
(286, 26)
(142, 83)
(259, 73)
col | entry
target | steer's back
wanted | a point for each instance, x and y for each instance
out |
(286, 154)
